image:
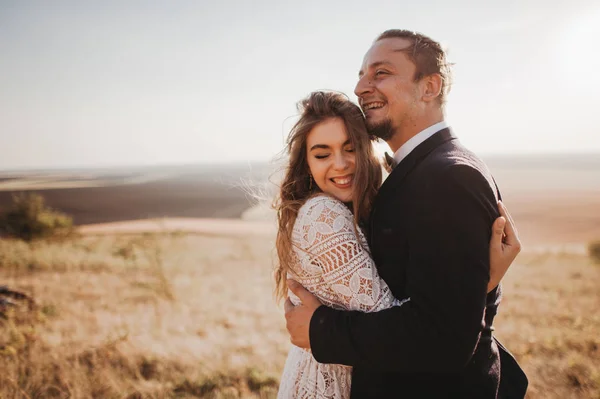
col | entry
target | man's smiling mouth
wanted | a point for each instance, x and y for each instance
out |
(373, 105)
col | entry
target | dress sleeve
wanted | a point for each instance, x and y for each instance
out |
(335, 262)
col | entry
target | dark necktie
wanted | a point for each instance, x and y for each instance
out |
(391, 162)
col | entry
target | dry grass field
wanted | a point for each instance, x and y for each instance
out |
(152, 316)
(190, 315)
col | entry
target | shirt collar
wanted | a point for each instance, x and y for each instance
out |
(417, 139)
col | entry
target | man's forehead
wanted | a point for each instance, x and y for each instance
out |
(389, 45)
(384, 51)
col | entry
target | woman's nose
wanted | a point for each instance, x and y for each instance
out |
(341, 162)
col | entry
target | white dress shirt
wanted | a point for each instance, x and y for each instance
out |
(417, 139)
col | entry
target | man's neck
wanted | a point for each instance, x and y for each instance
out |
(404, 133)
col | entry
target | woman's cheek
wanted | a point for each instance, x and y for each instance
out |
(320, 177)
(352, 160)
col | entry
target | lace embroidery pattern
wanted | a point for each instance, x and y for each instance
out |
(333, 262)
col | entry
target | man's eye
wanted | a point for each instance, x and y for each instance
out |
(380, 72)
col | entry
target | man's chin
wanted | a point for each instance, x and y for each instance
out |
(382, 129)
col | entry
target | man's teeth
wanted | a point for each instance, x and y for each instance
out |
(342, 180)
(373, 105)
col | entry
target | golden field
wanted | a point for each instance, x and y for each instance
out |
(141, 316)
(188, 315)
(183, 308)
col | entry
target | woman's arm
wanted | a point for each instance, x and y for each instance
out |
(338, 266)
(504, 246)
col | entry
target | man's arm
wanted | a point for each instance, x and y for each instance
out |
(447, 279)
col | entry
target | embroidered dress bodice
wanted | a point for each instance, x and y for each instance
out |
(332, 261)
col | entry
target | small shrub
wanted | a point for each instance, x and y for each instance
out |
(49, 310)
(30, 219)
(259, 381)
(594, 251)
(580, 376)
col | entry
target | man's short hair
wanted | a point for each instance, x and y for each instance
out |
(428, 56)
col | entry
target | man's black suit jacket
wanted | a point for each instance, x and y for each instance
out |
(429, 235)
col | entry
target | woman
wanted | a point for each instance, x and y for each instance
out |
(320, 243)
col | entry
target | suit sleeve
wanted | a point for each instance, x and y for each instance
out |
(447, 277)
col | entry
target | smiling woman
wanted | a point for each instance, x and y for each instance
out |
(331, 159)
(330, 152)
(330, 182)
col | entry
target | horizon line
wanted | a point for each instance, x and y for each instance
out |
(534, 155)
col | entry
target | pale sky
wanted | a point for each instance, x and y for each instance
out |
(107, 83)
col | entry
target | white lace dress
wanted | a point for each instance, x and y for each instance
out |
(334, 264)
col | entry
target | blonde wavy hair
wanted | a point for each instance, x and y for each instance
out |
(296, 186)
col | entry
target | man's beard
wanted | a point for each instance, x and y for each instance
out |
(383, 130)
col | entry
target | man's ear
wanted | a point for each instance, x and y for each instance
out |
(432, 87)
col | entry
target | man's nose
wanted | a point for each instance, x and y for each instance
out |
(363, 86)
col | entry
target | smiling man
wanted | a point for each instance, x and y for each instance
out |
(429, 236)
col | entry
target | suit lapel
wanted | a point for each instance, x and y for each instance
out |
(394, 180)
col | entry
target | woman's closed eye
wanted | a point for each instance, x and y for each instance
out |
(321, 156)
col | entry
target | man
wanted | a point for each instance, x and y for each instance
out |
(429, 236)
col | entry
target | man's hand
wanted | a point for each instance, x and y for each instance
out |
(298, 317)
(504, 246)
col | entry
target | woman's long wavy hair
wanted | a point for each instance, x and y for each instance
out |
(297, 187)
